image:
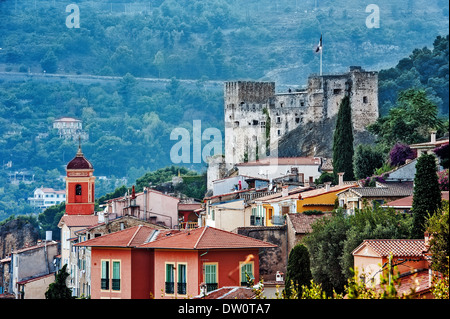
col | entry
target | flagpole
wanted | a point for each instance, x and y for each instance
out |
(321, 60)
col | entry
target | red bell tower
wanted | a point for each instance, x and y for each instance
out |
(80, 187)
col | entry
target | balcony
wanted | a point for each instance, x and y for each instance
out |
(278, 220)
(181, 288)
(211, 287)
(188, 225)
(170, 287)
(256, 221)
(104, 284)
(115, 284)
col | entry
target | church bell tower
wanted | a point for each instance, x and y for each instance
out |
(80, 186)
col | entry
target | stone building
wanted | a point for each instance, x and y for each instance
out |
(257, 118)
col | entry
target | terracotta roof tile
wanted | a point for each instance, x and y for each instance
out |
(406, 202)
(398, 247)
(387, 190)
(207, 238)
(302, 222)
(79, 220)
(229, 293)
(129, 237)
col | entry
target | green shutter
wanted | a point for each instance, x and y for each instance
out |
(210, 274)
(182, 273)
(105, 269)
(116, 270)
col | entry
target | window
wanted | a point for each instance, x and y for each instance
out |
(170, 278)
(181, 283)
(246, 272)
(211, 276)
(105, 275)
(78, 189)
(365, 100)
(337, 91)
(257, 216)
(115, 285)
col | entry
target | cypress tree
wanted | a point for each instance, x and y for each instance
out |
(427, 195)
(298, 269)
(343, 141)
(59, 289)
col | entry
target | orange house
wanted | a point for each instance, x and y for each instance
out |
(142, 263)
(195, 262)
(409, 256)
(118, 269)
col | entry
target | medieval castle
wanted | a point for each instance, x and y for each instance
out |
(257, 119)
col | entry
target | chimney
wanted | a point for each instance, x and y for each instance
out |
(433, 136)
(341, 179)
(327, 186)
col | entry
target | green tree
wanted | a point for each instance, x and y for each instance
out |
(410, 121)
(59, 289)
(298, 268)
(427, 195)
(343, 141)
(49, 219)
(366, 160)
(333, 239)
(437, 227)
(49, 62)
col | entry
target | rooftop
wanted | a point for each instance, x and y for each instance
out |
(284, 161)
(127, 238)
(402, 189)
(78, 220)
(398, 247)
(302, 222)
(79, 161)
(207, 238)
(406, 202)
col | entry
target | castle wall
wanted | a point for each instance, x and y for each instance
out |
(250, 105)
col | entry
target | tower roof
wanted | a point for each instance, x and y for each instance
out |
(79, 161)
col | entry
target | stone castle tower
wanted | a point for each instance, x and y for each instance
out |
(257, 118)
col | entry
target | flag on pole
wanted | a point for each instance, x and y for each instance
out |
(319, 47)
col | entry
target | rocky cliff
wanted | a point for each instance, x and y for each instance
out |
(16, 234)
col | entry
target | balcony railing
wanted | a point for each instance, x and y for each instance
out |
(188, 225)
(211, 286)
(104, 284)
(115, 284)
(181, 288)
(170, 287)
(278, 220)
(256, 221)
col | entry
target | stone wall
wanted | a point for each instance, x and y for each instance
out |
(271, 260)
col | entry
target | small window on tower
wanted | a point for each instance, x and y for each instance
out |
(78, 189)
